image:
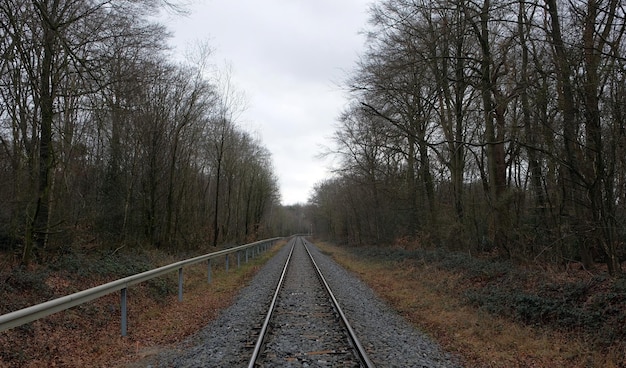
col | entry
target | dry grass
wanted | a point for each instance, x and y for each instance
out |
(429, 298)
(425, 295)
(89, 335)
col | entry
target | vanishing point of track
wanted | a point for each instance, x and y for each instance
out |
(305, 324)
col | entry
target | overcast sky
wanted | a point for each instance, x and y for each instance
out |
(288, 58)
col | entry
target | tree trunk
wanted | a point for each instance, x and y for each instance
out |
(494, 134)
(596, 174)
(573, 158)
(38, 229)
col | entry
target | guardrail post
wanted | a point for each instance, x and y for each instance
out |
(227, 263)
(246, 255)
(180, 284)
(123, 310)
(208, 278)
(238, 259)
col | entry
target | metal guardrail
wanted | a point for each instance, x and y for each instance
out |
(35, 312)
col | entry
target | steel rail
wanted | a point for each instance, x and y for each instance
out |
(362, 355)
(360, 351)
(32, 313)
(268, 317)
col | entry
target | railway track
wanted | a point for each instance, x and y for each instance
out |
(304, 325)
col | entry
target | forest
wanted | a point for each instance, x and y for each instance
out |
(479, 174)
(106, 141)
(493, 126)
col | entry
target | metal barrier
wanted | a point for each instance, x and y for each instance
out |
(35, 312)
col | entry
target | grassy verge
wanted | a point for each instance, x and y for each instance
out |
(492, 314)
(89, 335)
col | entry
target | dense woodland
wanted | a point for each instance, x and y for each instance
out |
(486, 126)
(479, 126)
(105, 140)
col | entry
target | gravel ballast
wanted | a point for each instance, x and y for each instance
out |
(228, 341)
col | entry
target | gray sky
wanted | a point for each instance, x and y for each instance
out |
(288, 58)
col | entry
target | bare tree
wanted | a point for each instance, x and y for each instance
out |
(466, 87)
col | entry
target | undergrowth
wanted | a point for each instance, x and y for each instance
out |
(75, 271)
(590, 305)
(155, 315)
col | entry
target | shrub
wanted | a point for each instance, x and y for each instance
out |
(594, 306)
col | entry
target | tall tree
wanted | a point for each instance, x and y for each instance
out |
(466, 87)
